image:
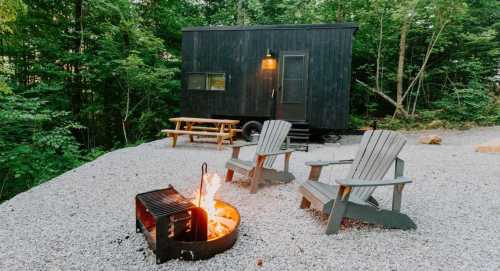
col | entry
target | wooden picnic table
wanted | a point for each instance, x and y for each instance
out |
(221, 129)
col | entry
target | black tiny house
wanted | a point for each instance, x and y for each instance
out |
(300, 73)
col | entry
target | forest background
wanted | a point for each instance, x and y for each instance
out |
(79, 78)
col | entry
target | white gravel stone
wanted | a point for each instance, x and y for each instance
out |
(84, 219)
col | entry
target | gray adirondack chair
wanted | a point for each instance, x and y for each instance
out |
(352, 196)
(272, 136)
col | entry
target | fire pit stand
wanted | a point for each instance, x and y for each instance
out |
(175, 228)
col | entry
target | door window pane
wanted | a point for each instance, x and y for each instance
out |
(293, 91)
(293, 79)
(294, 67)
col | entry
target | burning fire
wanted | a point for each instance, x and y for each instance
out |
(211, 183)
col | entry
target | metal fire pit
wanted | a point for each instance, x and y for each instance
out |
(176, 229)
(198, 250)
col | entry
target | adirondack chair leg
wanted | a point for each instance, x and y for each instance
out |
(236, 152)
(257, 175)
(304, 203)
(229, 175)
(338, 210)
(398, 189)
(287, 161)
(313, 176)
(397, 197)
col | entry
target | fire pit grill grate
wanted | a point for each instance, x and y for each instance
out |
(165, 202)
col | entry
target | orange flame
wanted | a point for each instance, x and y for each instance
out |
(211, 183)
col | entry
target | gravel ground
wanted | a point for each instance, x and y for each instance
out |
(84, 219)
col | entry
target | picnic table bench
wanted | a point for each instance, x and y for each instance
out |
(221, 129)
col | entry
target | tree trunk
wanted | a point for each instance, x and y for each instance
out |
(379, 53)
(76, 92)
(401, 64)
(339, 12)
(240, 20)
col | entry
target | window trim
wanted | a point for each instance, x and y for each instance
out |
(206, 81)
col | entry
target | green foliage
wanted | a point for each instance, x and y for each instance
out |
(9, 10)
(357, 122)
(460, 108)
(36, 144)
(78, 78)
(470, 104)
(6, 70)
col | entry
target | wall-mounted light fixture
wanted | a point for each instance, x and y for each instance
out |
(269, 61)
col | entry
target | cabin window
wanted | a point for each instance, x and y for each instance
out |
(206, 81)
(197, 81)
(216, 81)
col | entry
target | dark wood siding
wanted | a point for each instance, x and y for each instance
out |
(238, 51)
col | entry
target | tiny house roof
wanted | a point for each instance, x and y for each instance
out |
(269, 27)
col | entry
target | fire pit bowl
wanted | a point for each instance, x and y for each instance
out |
(176, 228)
(198, 250)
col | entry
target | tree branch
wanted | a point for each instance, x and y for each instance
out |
(383, 95)
(426, 58)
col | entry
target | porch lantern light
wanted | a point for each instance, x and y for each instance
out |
(269, 62)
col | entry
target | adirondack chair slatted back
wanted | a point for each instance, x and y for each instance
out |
(377, 152)
(272, 136)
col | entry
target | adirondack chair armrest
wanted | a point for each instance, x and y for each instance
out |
(244, 144)
(276, 152)
(316, 167)
(321, 163)
(236, 148)
(364, 183)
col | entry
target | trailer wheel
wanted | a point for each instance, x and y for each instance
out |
(250, 128)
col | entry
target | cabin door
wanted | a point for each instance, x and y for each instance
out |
(292, 91)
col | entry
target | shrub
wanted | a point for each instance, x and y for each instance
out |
(36, 144)
(470, 104)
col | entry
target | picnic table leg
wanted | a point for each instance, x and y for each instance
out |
(231, 135)
(174, 140)
(219, 143)
(174, 136)
(190, 128)
(220, 139)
